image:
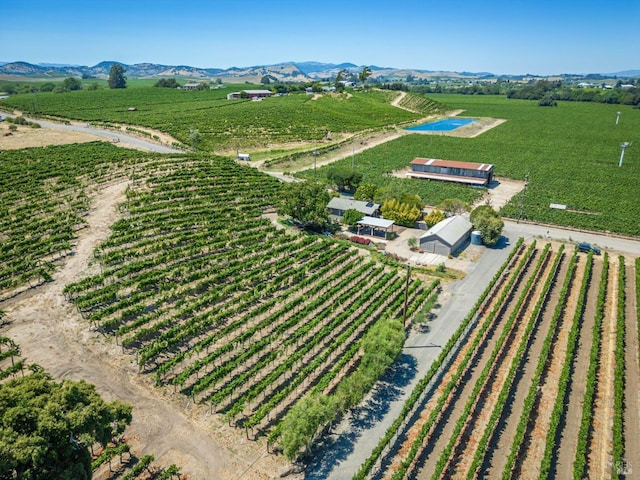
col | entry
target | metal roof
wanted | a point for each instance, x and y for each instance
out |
(484, 167)
(376, 222)
(342, 203)
(450, 230)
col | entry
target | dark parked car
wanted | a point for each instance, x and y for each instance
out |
(587, 247)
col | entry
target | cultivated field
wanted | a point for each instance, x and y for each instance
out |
(569, 153)
(225, 125)
(168, 282)
(183, 283)
(538, 386)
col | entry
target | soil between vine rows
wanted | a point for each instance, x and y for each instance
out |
(600, 442)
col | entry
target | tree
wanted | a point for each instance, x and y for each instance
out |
(306, 202)
(72, 83)
(344, 178)
(479, 211)
(364, 74)
(393, 190)
(434, 217)
(412, 199)
(117, 78)
(548, 100)
(366, 192)
(47, 87)
(48, 427)
(490, 229)
(401, 213)
(351, 217)
(167, 83)
(488, 221)
(453, 206)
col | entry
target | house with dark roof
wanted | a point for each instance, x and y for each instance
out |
(338, 205)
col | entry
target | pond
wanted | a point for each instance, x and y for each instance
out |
(444, 125)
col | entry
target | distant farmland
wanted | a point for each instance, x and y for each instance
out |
(570, 154)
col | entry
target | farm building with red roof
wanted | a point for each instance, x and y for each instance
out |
(452, 171)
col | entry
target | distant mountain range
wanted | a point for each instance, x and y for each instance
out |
(282, 72)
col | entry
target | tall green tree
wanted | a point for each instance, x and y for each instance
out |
(72, 83)
(351, 217)
(489, 222)
(306, 202)
(364, 74)
(344, 178)
(48, 427)
(434, 217)
(366, 192)
(117, 78)
(401, 213)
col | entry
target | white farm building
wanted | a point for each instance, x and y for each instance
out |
(447, 236)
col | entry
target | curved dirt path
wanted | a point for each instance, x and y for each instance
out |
(57, 133)
(52, 334)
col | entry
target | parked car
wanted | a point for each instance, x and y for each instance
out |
(587, 247)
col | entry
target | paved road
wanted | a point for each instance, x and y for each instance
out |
(353, 440)
(613, 244)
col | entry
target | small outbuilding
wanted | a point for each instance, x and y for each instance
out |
(376, 226)
(447, 236)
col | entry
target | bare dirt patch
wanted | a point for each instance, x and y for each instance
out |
(500, 192)
(27, 137)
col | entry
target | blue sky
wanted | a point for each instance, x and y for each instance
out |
(503, 37)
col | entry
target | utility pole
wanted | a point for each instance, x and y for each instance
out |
(406, 295)
(524, 194)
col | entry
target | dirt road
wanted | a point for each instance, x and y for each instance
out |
(51, 333)
(55, 133)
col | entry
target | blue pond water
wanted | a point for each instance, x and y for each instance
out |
(444, 125)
